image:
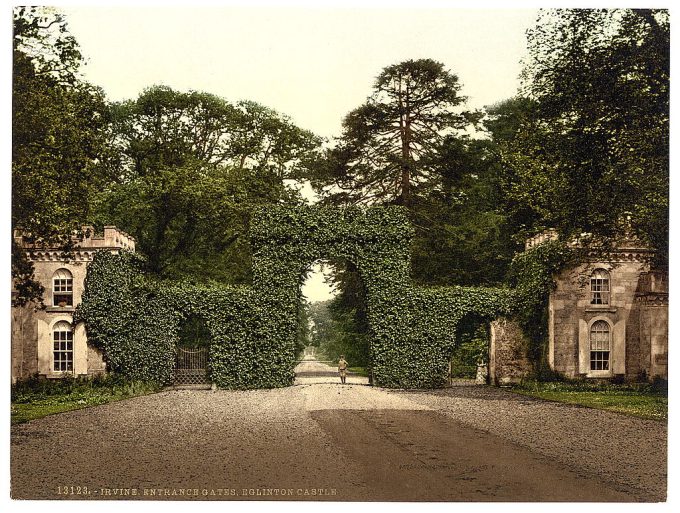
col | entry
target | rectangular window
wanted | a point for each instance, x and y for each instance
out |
(599, 360)
(63, 292)
(63, 351)
(600, 290)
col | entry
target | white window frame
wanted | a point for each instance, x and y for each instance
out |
(62, 337)
(62, 287)
(609, 348)
(600, 287)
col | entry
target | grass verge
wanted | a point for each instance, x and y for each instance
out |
(36, 398)
(648, 401)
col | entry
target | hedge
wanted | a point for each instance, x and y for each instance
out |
(135, 320)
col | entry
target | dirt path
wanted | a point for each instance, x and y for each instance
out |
(318, 441)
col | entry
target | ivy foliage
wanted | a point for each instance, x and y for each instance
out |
(253, 330)
(123, 317)
(532, 276)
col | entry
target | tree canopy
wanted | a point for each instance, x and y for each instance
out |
(168, 128)
(190, 166)
(590, 151)
(382, 153)
(58, 126)
(583, 147)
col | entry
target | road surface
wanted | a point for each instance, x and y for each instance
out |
(311, 371)
(327, 441)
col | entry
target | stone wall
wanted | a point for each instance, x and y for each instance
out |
(637, 320)
(112, 238)
(508, 353)
(636, 312)
(24, 342)
(32, 328)
(652, 299)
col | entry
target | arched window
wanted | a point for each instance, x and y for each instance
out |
(62, 336)
(599, 287)
(600, 346)
(62, 288)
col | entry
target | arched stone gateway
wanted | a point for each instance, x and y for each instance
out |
(253, 329)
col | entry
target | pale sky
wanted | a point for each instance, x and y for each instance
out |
(313, 64)
(315, 289)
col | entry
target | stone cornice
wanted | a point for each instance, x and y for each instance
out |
(619, 255)
(77, 255)
(652, 298)
(625, 248)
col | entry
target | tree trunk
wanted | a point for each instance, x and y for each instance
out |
(405, 198)
(405, 122)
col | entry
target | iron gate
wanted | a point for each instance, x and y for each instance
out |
(191, 366)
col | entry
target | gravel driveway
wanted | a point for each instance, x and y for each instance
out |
(332, 442)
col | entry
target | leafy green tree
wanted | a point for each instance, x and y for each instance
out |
(191, 167)
(506, 118)
(168, 128)
(594, 151)
(462, 236)
(190, 221)
(385, 142)
(58, 127)
(337, 333)
(268, 142)
(165, 128)
(472, 350)
(321, 322)
(193, 333)
(407, 145)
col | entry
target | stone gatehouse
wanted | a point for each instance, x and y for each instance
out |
(607, 319)
(608, 316)
(44, 341)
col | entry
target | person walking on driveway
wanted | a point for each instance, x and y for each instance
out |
(342, 368)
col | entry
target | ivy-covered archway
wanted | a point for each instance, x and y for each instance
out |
(135, 320)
